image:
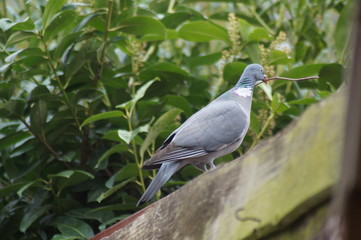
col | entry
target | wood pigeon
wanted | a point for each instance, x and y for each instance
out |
(215, 130)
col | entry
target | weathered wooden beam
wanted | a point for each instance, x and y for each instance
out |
(258, 194)
(307, 227)
(349, 192)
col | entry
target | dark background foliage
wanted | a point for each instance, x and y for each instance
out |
(90, 89)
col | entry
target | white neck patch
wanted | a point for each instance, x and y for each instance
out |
(243, 92)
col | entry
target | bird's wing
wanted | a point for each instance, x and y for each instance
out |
(213, 128)
(172, 153)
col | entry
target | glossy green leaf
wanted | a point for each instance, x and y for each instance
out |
(112, 135)
(6, 24)
(172, 34)
(267, 89)
(303, 71)
(6, 191)
(14, 138)
(254, 124)
(27, 186)
(65, 43)
(87, 19)
(275, 102)
(27, 24)
(12, 170)
(128, 171)
(175, 19)
(68, 157)
(62, 21)
(278, 105)
(203, 31)
(39, 92)
(150, 28)
(70, 177)
(253, 52)
(112, 221)
(331, 74)
(233, 71)
(90, 214)
(32, 215)
(278, 57)
(246, 29)
(51, 8)
(68, 47)
(181, 103)
(64, 237)
(126, 206)
(30, 62)
(259, 34)
(204, 60)
(27, 52)
(127, 136)
(167, 67)
(324, 94)
(158, 127)
(342, 34)
(112, 190)
(195, 15)
(137, 96)
(13, 108)
(101, 116)
(115, 149)
(20, 36)
(73, 227)
(75, 64)
(38, 115)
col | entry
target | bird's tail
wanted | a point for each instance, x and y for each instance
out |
(163, 175)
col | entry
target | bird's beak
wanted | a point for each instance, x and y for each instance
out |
(265, 79)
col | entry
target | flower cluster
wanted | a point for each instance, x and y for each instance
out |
(234, 33)
(282, 36)
(269, 69)
(137, 49)
(276, 44)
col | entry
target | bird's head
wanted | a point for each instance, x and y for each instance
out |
(257, 72)
(251, 74)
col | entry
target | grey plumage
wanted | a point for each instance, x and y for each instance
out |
(163, 175)
(213, 131)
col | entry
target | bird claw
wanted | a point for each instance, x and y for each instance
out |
(212, 166)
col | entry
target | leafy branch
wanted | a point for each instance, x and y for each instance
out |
(58, 81)
(105, 42)
(41, 140)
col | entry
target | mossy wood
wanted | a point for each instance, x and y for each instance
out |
(284, 181)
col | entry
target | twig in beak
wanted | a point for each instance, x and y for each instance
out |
(265, 80)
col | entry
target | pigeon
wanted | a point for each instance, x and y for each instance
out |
(214, 131)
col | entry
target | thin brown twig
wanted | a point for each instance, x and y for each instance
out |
(42, 141)
(293, 79)
(288, 79)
